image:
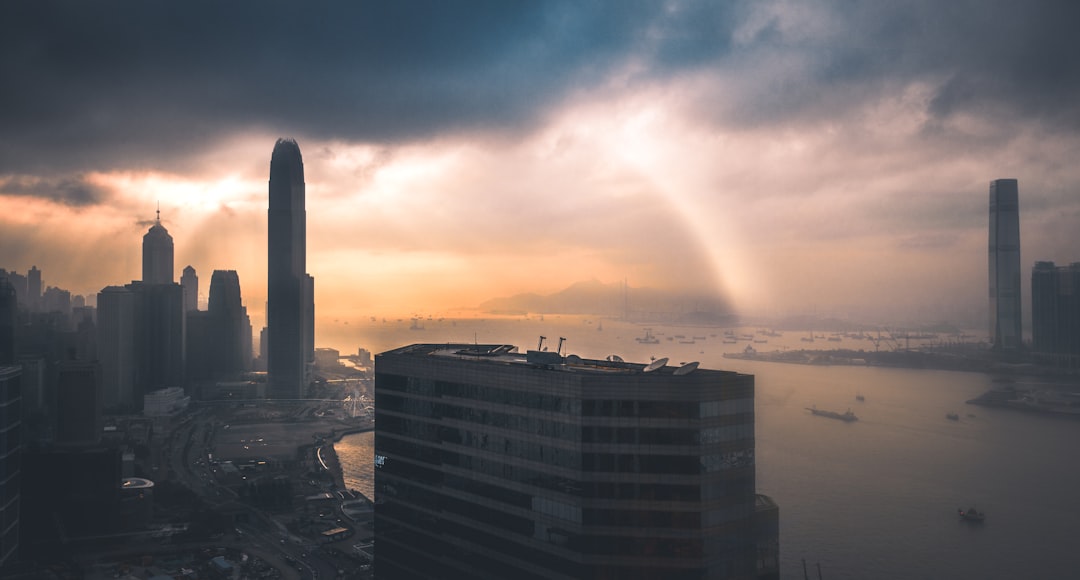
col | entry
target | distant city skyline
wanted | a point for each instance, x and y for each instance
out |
(820, 158)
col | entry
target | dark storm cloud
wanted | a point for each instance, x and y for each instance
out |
(144, 83)
(133, 84)
(987, 57)
(70, 191)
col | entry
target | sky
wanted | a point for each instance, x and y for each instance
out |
(793, 157)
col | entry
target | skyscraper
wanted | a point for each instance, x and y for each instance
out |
(190, 283)
(1004, 265)
(229, 325)
(8, 319)
(118, 346)
(1055, 309)
(11, 446)
(157, 264)
(494, 464)
(287, 286)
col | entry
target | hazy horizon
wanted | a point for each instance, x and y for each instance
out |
(789, 158)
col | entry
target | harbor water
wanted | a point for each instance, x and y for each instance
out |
(874, 498)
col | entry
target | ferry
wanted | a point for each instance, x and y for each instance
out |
(971, 515)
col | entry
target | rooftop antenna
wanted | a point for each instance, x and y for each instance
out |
(654, 365)
(159, 211)
(540, 345)
(561, 340)
(686, 368)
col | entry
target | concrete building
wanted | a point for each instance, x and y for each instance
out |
(165, 402)
(289, 302)
(11, 446)
(9, 316)
(79, 403)
(33, 289)
(495, 464)
(1004, 265)
(189, 281)
(118, 319)
(1055, 308)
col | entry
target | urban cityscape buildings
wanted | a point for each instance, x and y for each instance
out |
(496, 464)
(1004, 265)
(141, 328)
(289, 302)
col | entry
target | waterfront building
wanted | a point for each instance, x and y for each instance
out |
(11, 446)
(496, 464)
(1055, 308)
(189, 281)
(1004, 265)
(289, 301)
(157, 265)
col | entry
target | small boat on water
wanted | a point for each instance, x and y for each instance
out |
(648, 338)
(971, 515)
(952, 416)
(860, 398)
(846, 416)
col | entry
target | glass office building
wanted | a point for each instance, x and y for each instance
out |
(496, 464)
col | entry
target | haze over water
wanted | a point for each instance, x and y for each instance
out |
(872, 499)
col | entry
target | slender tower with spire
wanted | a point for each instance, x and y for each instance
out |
(157, 262)
(287, 285)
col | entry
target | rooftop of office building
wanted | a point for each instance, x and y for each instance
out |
(506, 354)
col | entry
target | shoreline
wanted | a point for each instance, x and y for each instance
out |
(964, 361)
(329, 454)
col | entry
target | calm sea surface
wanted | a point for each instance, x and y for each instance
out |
(872, 499)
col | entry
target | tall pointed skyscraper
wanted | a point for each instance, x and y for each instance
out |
(1004, 264)
(287, 285)
(157, 254)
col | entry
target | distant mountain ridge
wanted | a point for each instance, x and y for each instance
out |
(597, 298)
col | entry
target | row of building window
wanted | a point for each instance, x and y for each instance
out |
(425, 427)
(518, 398)
(687, 464)
(572, 406)
(538, 479)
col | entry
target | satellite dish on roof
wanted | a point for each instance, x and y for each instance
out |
(615, 358)
(656, 364)
(573, 359)
(687, 368)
